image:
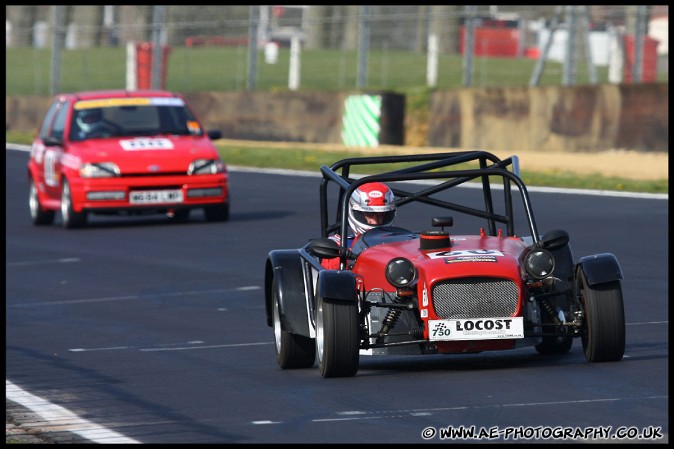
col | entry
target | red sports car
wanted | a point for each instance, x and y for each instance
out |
(124, 152)
(432, 291)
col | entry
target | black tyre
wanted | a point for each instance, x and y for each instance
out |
(337, 341)
(38, 215)
(604, 334)
(292, 350)
(219, 212)
(71, 219)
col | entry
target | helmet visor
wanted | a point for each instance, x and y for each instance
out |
(374, 218)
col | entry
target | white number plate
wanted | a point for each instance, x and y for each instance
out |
(156, 197)
(476, 329)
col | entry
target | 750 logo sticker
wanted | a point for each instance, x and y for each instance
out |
(476, 329)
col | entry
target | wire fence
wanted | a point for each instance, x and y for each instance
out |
(229, 48)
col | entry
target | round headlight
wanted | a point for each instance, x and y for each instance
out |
(539, 263)
(400, 272)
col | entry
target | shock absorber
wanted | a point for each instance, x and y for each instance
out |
(547, 307)
(400, 303)
(389, 321)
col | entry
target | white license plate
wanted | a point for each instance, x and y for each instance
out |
(476, 329)
(156, 196)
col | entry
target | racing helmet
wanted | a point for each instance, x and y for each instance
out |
(90, 120)
(370, 206)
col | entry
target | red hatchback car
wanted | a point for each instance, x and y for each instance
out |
(124, 152)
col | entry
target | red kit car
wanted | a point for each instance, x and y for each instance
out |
(431, 291)
(122, 152)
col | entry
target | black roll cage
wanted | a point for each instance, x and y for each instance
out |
(489, 166)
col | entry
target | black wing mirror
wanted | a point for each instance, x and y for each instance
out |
(327, 249)
(214, 134)
(442, 221)
(53, 141)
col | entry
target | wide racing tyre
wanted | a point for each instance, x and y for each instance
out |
(38, 215)
(292, 350)
(337, 342)
(604, 332)
(71, 219)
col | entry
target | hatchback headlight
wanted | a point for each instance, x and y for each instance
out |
(99, 170)
(206, 167)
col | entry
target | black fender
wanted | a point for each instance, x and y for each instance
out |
(599, 268)
(337, 286)
(286, 267)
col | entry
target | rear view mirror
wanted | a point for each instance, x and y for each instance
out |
(328, 249)
(325, 248)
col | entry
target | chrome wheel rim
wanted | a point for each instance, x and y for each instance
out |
(65, 202)
(277, 327)
(319, 330)
(32, 200)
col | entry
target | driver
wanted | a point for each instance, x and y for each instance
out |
(90, 121)
(371, 205)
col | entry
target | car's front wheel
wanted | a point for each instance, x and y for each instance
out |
(337, 341)
(38, 215)
(604, 334)
(292, 350)
(71, 219)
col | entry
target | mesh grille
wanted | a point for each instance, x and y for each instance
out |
(475, 298)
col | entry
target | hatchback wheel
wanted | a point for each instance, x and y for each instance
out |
(38, 215)
(71, 219)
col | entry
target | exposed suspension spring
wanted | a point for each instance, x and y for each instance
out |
(389, 322)
(547, 307)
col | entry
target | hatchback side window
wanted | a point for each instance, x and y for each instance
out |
(48, 119)
(60, 121)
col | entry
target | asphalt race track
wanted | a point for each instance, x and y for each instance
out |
(152, 332)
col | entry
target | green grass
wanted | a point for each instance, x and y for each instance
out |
(225, 69)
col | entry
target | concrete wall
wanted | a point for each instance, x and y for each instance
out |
(281, 116)
(571, 119)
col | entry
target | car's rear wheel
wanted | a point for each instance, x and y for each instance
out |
(292, 350)
(604, 333)
(38, 215)
(71, 219)
(218, 212)
(337, 341)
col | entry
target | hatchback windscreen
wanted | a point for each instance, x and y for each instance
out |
(130, 117)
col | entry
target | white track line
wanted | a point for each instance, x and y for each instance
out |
(58, 419)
